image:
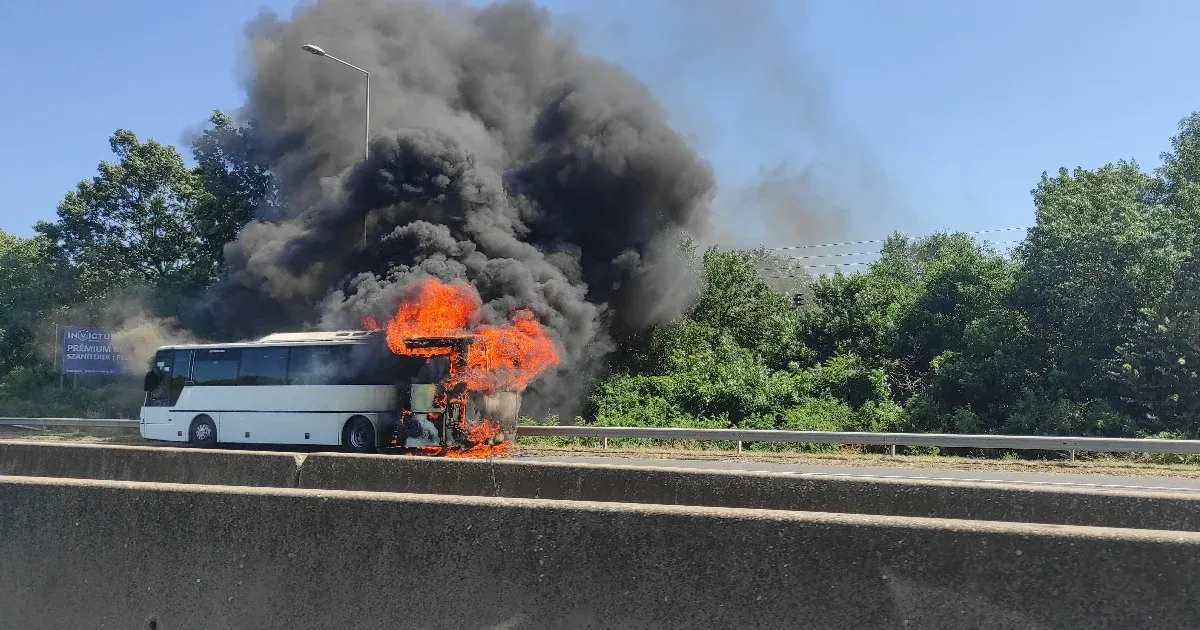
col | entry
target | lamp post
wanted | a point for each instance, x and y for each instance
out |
(320, 52)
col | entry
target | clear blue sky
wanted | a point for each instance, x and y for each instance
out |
(916, 115)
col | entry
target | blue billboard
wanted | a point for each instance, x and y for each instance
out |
(90, 351)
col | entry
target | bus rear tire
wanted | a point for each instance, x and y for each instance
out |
(203, 432)
(358, 436)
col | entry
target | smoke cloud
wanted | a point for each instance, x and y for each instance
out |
(500, 154)
(796, 170)
(136, 334)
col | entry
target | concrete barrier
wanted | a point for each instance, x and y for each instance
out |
(103, 554)
(147, 463)
(625, 484)
(763, 490)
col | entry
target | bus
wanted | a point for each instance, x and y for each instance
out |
(329, 388)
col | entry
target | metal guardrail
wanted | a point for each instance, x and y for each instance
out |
(108, 423)
(891, 440)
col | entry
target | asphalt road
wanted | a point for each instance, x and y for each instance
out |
(1174, 484)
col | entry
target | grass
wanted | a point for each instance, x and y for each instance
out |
(110, 400)
(1144, 465)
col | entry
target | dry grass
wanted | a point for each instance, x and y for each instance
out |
(1095, 464)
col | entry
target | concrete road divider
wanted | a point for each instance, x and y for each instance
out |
(83, 553)
(623, 484)
(762, 490)
(145, 463)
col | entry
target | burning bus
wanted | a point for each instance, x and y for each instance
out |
(432, 380)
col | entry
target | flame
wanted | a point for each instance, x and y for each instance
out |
(503, 357)
(438, 310)
(478, 436)
(477, 451)
(509, 357)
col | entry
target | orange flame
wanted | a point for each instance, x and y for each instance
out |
(439, 310)
(504, 357)
(500, 358)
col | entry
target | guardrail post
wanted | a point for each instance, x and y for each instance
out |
(606, 442)
(739, 446)
(1072, 454)
(892, 449)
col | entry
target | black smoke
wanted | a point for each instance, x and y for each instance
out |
(499, 154)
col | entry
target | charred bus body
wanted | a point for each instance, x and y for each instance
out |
(436, 409)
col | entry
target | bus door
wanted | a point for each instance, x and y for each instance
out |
(174, 368)
(180, 376)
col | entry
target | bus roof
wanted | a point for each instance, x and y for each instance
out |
(286, 339)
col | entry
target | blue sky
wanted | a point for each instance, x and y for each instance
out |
(912, 116)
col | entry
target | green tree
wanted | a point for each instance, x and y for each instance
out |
(848, 314)
(232, 168)
(1180, 171)
(28, 291)
(974, 386)
(733, 298)
(1161, 361)
(1103, 249)
(947, 282)
(908, 307)
(133, 223)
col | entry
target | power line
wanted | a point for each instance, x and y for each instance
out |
(786, 267)
(882, 240)
(809, 256)
(870, 253)
(793, 275)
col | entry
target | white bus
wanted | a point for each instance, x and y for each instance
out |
(335, 388)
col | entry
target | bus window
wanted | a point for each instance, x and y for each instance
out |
(318, 365)
(375, 364)
(180, 373)
(216, 366)
(263, 366)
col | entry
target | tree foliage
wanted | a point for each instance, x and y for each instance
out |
(134, 222)
(231, 167)
(1090, 326)
(146, 223)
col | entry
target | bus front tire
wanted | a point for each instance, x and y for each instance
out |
(203, 432)
(359, 435)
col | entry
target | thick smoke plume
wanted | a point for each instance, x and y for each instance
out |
(499, 154)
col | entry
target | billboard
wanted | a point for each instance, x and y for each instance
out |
(90, 351)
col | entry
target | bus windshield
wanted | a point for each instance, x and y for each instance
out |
(173, 368)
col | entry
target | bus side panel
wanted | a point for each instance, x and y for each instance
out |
(322, 428)
(321, 411)
(288, 427)
(283, 414)
(166, 432)
(156, 424)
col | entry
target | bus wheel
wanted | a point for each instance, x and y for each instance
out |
(359, 435)
(203, 432)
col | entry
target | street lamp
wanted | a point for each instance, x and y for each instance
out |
(320, 52)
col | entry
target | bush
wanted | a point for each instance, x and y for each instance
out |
(114, 400)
